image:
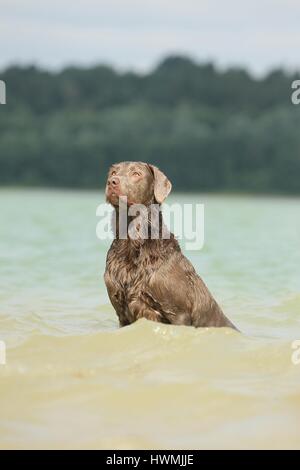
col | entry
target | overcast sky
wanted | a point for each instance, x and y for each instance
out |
(258, 34)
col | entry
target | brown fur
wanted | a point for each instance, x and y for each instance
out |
(152, 278)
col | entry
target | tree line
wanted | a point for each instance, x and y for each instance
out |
(208, 129)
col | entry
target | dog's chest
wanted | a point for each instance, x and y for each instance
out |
(128, 271)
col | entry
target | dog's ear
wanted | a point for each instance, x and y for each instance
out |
(162, 186)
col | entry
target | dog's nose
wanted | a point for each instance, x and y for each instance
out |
(114, 181)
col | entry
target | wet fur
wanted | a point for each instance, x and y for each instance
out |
(152, 279)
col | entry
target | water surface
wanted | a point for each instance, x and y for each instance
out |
(74, 380)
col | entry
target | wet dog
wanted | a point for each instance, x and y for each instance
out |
(149, 277)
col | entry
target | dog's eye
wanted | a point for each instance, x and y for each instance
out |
(113, 173)
(135, 173)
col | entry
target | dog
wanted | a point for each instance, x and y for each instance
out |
(145, 277)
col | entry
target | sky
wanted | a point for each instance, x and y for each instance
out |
(137, 34)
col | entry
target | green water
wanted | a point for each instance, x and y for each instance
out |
(59, 326)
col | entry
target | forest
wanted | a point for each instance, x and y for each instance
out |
(208, 129)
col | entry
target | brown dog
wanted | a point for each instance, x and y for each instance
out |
(147, 277)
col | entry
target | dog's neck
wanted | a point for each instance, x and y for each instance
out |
(138, 225)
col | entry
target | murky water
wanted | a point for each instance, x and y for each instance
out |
(74, 380)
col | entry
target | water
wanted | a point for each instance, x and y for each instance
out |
(74, 380)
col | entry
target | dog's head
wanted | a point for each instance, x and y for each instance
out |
(141, 183)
